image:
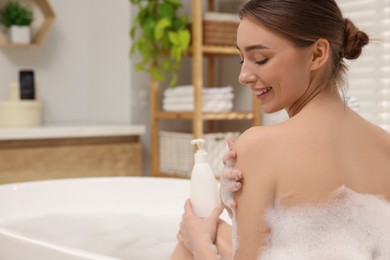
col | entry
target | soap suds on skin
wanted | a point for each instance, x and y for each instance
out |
(352, 226)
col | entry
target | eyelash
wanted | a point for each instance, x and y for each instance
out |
(262, 62)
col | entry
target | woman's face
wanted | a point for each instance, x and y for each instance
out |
(276, 70)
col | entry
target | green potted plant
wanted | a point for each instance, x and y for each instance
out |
(17, 18)
(161, 36)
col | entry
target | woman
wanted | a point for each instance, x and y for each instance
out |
(316, 186)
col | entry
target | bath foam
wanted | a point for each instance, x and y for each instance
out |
(227, 198)
(121, 235)
(354, 226)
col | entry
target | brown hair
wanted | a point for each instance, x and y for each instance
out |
(305, 21)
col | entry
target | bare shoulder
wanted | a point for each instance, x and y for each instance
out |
(383, 134)
(259, 149)
(267, 139)
(378, 135)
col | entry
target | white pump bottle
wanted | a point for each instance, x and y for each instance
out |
(204, 188)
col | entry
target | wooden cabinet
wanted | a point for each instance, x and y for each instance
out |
(38, 39)
(69, 152)
(199, 52)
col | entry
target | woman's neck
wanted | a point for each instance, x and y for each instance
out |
(323, 100)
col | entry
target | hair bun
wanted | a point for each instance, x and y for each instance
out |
(354, 40)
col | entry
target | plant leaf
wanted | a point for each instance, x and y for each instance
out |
(166, 10)
(159, 30)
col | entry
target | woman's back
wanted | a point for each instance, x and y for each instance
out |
(331, 146)
(351, 226)
(332, 185)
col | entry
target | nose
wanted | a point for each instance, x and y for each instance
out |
(246, 77)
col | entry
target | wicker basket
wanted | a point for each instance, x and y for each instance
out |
(177, 153)
(220, 28)
(220, 33)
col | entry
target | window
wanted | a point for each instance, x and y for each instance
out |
(369, 75)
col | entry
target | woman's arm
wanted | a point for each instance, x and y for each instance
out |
(256, 159)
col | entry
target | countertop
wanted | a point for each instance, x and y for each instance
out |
(70, 131)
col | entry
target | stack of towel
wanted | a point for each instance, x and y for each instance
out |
(181, 99)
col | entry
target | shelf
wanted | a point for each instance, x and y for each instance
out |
(76, 130)
(222, 50)
(204, 61)
(206, 116)
(48, 19)
(218, 50)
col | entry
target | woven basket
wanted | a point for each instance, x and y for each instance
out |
(177, 153)
(220, 28)
(220, 33)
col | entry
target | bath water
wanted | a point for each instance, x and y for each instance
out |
(123, 235)
(353, 227)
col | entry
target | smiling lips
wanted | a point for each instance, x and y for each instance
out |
(261, 92)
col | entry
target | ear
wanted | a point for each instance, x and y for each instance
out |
(320, 54)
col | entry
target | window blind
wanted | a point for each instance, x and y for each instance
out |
(369, 76)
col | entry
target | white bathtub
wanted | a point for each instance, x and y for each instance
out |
(91, 218)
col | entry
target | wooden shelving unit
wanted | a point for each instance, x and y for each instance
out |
(198, 51)
(38, 40)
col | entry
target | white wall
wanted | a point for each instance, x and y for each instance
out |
(83, 68)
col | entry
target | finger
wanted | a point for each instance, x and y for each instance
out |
(232, 204)
(230, 142)
(188, 208)
(237, 174)
(187, 205)
(227, 173)
(231, 175)
(232, 186)
(229, 202)
(217, 211)
(229, 157)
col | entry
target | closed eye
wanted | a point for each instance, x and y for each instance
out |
(262, 62)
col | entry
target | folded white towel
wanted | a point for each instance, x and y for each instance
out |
(188, 90)
(221, 17)
(212, 106)
(191, 99)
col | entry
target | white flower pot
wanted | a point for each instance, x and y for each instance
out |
(19, 34)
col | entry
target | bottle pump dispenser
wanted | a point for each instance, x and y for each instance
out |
(204, 189)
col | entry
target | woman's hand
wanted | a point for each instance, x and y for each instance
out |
(197, 234)
(231, 178)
